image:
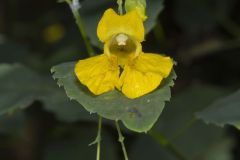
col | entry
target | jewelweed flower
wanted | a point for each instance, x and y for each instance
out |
(123, 65)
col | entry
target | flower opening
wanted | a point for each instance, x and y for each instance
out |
(123, 47)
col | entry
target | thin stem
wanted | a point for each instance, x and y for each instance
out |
(81, 28)
(121, 140)
(120, 6)
(162, 140)
(98, 139)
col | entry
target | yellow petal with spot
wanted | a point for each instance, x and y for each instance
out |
(111, 24)
(144, 75)
(100, 74)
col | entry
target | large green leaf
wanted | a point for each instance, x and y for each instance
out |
(19, 87)
(138, 114)
(223, 111)
(92, 11)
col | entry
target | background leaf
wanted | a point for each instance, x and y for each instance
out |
(138, 114)
(223, 111)
(15, 95)
(184, 130)
(8, 52)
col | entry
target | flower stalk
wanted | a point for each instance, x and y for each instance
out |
(74, 5)
(120, 6)
(121, 140)
(98, 138)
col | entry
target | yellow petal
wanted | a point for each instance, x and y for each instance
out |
(149, 62)
(100, 74)
(134, 83)
(111, 24)
(144, 75)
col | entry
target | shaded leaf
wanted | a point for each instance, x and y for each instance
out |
(8, 52)
(154, 8)
(223, 111)
(20, 87)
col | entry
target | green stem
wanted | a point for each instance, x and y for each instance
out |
(98, 139)
(81, 28)
(120, 6)
(121, 140)
(163, 141)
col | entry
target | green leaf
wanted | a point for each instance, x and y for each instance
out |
(154, 8)
(185, 104)
(15, 89)
(92, 11)
(20, 87)
(223, 111)
(138, 114)
(8, 52)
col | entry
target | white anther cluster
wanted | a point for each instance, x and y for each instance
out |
(121, 39)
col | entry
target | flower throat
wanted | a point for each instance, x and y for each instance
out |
(124, 47)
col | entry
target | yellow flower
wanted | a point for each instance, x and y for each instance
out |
(123, 65)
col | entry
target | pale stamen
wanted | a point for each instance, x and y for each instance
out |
(121, 39)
